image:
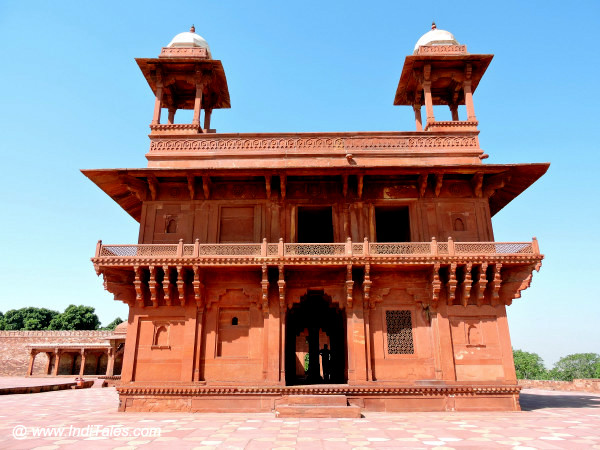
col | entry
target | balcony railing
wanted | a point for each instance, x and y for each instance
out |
(347, 249)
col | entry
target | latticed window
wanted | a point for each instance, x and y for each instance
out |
(399, 332)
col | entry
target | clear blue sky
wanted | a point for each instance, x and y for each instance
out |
(73, 98)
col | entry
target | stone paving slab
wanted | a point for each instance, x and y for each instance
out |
(88, 418)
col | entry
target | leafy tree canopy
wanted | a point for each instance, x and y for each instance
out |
(29, 318)
(578, 365)
(113, 324)
(76, 318)
(529, 366)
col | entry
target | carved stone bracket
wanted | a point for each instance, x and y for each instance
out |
(367, 283)
(468, 284)
(349, 286)
(452, 283)
(361, 180)
(439, 179)
(206, 187)
(265, 290)
(436, 284)
(377, 296)
(153, 186)
(180, 285)
(422, 184)
(495, 284)
(198, 287)
(282, 186)
(281, 286)
(152, 285)
(137, 283)
(166, 284)
(481, 283)
(477, 183)
(191, 184)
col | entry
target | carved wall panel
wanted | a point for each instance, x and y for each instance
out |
(159, 355)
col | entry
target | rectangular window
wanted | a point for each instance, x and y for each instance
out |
(236, 224)
(392, 224)
(315, 225)
(399, 332)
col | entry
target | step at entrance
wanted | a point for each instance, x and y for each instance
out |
(316, 406)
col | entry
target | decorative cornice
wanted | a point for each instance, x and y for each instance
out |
(308, 144)
(192, 390)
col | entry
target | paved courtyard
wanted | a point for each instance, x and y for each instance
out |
(75, 418)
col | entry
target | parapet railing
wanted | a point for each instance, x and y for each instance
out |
(348, 248)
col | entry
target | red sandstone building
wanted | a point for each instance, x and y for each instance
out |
(256, 250)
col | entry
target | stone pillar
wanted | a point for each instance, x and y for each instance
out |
(469, 101)
(428, 102)
(82, 366)
(48, 363)
(418, 118)
(56, 362)
(171, 118)
(454, 111)
(157, 105)
(110, 365)
(207, 114)
(197, 104)
(32, 354)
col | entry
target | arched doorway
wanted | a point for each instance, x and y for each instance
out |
(310, 325)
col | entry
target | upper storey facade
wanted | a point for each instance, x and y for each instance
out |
(200, 184)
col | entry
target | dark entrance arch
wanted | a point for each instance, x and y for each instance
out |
(314, 317)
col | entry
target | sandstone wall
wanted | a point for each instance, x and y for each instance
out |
(585, 385)
(14, 355)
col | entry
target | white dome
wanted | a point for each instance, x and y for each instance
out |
(189, 39)
(436, 37)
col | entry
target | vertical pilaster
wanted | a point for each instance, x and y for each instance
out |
(427, 93)
(510, 374)
(171, 118)
(282, 321)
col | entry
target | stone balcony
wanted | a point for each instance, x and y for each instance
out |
(313, 254)
(494, 271)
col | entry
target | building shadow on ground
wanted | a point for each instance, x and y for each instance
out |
(531, 401)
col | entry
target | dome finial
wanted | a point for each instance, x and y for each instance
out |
(433, 27)
(192, 29)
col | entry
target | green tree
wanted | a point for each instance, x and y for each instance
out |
(113, 324)
(1, 321)
(29, 318)
(76, 318)
(578, 365)
(529, 366)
